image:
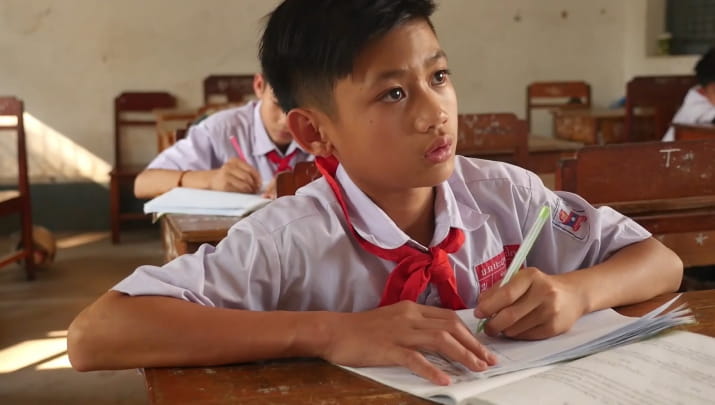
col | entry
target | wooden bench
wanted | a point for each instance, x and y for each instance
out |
(685, 132)
(669, 188)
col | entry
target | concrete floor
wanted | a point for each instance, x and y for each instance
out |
(34, 317)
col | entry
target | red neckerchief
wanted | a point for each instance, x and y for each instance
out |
(282, 163)
(415, 269)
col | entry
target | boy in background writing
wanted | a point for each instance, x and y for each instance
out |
(699, 104)
(364, 266)
(239, 149)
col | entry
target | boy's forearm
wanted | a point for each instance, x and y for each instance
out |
(119, 332)
(153, 182)
(633, 274)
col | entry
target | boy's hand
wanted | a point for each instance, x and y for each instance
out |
(270, 191)
(236, 175)
(396, 334)
(532, 305)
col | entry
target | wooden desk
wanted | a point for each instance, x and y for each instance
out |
(669, 189)
(685, 132)
(594, 126)
(185, 233)
(310, 381)
(546, 152)
(685, 225)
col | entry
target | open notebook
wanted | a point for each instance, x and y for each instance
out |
(520, 360)
(183, 200)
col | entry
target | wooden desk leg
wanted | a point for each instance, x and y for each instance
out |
(173, 246)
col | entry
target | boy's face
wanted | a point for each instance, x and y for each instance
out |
(273, 117)
(395, 120)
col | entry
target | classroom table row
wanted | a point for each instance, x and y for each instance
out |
(312, 381)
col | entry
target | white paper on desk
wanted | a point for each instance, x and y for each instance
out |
(592, 333)
(182, 200)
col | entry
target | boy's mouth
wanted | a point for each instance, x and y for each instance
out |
(440, 150)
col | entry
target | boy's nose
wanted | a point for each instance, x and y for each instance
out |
(430, 113)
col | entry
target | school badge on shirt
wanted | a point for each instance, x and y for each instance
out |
(572, 221)
(492, 271)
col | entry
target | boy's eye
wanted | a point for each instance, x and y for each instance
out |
(395, 94)
(440, 76)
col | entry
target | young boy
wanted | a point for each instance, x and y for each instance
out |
(208, 158)
(364, 266)
(699, 104)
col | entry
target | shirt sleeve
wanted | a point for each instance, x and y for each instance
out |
(578, 235)
(195, 152)
(241, 272)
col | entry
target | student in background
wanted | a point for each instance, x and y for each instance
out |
(366, 265)
(699, 104)
(239, 149)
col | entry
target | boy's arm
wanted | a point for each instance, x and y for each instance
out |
(120, 331)
(234, 175)
(534, 305)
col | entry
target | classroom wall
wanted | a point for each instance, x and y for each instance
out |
(645, 21)
(69, 59)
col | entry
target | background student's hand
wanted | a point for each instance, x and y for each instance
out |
(395, 335)
(270, 191)
(532, 305)
(236, 175)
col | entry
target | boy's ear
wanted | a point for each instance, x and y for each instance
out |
(259, 85)
(303, 125)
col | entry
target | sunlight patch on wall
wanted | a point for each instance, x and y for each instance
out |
(52, 157)
(31, 352)
(60, 155)
(54, 364)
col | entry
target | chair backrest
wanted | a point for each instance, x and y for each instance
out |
(127, 107)
(686, 132)
(291, 180)
(552, 95)
(12, 123)
(222, 89)
(640, 171)
(657, 99)
(491, 135)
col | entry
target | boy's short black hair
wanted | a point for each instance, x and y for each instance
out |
(308, 45)
(705, 68)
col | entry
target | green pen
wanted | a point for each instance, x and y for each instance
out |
(520, 256)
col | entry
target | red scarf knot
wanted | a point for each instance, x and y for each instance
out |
(282, 163)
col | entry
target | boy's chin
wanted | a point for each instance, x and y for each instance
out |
(439, 173)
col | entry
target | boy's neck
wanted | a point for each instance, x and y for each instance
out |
(412, 211)
(282, 148)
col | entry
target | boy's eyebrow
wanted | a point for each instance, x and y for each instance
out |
(391, 74)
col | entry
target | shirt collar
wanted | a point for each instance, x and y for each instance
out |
(373, 224)
(262, 143)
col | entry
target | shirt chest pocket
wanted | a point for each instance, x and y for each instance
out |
(489, 263)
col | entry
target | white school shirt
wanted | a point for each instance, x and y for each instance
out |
(696, 109)
(208, 146)
(297, 253)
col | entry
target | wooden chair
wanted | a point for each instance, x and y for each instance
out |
(223, 89)
(126, 106)
(556, 95)
(686, 132)
(667, 187)
(660, 96)
(289, 181)
(493, 136)
(17, 201)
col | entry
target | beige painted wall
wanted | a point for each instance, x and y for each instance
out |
(68, 58)
(645, 21)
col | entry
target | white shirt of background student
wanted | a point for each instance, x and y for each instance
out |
(698, 108)
(207, 158)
